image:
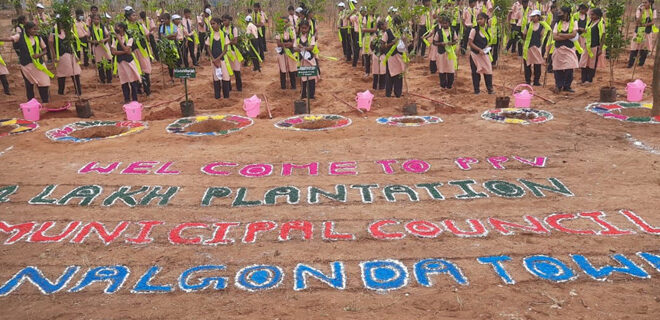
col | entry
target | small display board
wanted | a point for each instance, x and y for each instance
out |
(185, 73)
(308, 71)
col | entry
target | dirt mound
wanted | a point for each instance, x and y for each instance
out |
(410, 120)
(315, 125)
(519, 115)
(98, 132)
(210, 126)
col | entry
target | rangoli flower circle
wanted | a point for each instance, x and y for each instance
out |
(213, 125)
(95, 130)
(517, 115)
(16, 126)
(316, 122)
(408, 121)
(612, 110)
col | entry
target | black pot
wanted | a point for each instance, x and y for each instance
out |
(83, 110)
(607, 94)
(300, 107)
(502, 102)
(187, 108)
(410, 109)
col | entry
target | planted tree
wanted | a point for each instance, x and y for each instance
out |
(64, 23)
(501, 12)
(615, 42)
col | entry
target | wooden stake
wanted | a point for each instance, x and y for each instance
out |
(535, 94)
(270, 115)
(166, 102)
(346, 103)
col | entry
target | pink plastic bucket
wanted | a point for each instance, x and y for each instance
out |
(635, 90)
(252, 106)
(523, 99)
(133, 111)
(31, 110)
(364, 100)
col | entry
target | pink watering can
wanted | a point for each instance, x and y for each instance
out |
(635, 90)
(31, 110)
(252, 106)
(364, 100)
(523, 99)
(133, 111)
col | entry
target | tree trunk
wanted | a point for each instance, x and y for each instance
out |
(656, 81)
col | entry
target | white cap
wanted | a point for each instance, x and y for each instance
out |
(176, 16)
(535, 13)
(40, 6)
(128, 8)
(57, 16)
(354, 1)
(108, 16)
(341, 4)
(208, 11)
(248, 18)
(395, 10)
(299, 9)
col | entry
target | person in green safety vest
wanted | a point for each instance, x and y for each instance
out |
(236, 59)
(150, 26)
(168, 31)
(394, 62)
(646, 31)
(141, 49)
(343, 24)
(512, 17)
(534, 37)
(287, 60)
(41, 17)
(203, 27)
(3, 74)
(433, 49)
(253, 32)
(378, 65)
(594, 55)
(480, 54)
(218, 46)
(445, 39)
(368, 33)
(582, 18)
(424, 26)
(66, 61)
(81, 32)
(32, 49)
(564, 56)
(99, 40)
(469, 22)
(260, 20)
(125, 63)
(454, 10)
(521, 24)
(307, 48)
(190, 38)
(355, 34)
